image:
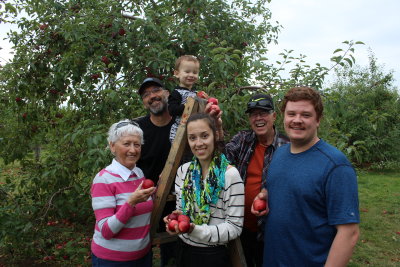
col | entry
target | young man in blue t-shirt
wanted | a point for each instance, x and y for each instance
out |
(312, 192)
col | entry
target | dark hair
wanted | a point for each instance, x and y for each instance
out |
(209, 120)
(185, 58)
(304, 93)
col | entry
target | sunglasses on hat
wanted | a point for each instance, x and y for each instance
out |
(261, 103)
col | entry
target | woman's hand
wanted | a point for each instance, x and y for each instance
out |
(140, 195)
(172, 229)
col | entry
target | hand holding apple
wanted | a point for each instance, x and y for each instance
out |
(202, 94)
(147, 183)
(260, 204)
(178, 223)
(141, 194)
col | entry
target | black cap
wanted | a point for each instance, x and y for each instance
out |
(260, 101)
(147, 82)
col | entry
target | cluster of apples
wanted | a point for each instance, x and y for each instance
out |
(212, 100)
(181, 220)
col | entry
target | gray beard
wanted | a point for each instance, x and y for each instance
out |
(158, 111)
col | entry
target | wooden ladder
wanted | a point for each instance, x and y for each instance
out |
(167, 179)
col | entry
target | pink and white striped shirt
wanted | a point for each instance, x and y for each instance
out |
(122, 232)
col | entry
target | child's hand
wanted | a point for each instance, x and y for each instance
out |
(202, 94)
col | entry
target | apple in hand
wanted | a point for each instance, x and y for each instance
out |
(213, 100)
(147, 183)
(259, 205)
(171, 225)
(183, 218)
(216, 108)
(173, 216)
(183, 226)
(202, 94)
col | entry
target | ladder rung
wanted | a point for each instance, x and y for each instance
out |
(171, 197)
(161, 238)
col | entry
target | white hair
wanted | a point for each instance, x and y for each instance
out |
(128, 127)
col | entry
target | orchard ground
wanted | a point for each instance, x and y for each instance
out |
(379, 243)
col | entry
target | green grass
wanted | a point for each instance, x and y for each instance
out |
(379, 243)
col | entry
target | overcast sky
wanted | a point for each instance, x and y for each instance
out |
(317, 27)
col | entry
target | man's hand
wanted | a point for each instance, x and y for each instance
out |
(217, 115)
(264, 196)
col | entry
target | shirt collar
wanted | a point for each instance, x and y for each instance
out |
(121, 170)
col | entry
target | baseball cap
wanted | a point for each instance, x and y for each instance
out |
(260, 101)
(146, 82)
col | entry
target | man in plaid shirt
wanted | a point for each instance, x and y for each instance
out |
(251, 152)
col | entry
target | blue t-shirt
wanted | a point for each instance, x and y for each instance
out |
(309, 193)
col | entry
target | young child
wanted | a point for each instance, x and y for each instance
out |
(187, 69)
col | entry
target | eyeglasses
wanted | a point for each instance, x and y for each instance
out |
(124, 123)
(262, 114)
(153, 90)
(264, 103)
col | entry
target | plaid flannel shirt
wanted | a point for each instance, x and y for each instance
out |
(239, 151)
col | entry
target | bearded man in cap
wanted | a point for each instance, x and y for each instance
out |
(156, 126)
(251, 152)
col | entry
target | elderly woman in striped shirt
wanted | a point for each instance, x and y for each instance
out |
(122, 208)
(211, 193)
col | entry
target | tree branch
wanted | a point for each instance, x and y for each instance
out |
(49, 203)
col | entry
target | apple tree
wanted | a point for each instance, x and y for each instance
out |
(361, 117)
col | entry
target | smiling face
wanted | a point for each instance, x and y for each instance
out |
(155, 99)
(201, 140)
(262, 122)
(127, 150)
(187, 73)
(301, 124)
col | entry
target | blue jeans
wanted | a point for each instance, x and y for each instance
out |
(146, 261)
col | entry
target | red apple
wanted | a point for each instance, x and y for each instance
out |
(173, 216)
(18, 99)
(202, 94)
(216, 108)
(183, 218)
(171, 225)
(95, 76)
(43, 26)
(183, 226)
(213, 100)
(105, 60)
(259, 205)
(147, 183)
(121, 31)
